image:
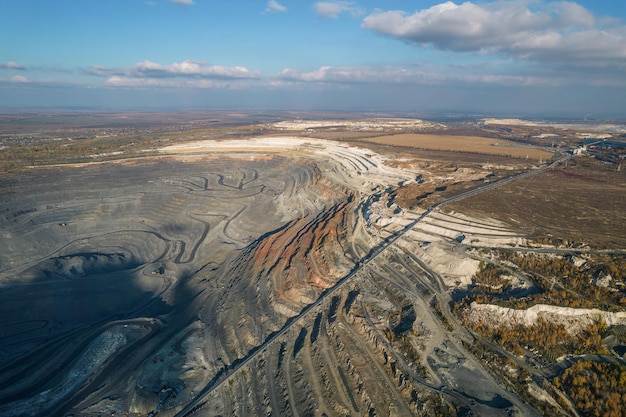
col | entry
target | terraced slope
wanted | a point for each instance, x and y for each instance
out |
(234, 278)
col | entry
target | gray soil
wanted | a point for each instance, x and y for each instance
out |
(218, 286)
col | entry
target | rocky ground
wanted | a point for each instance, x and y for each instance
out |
(269, 276)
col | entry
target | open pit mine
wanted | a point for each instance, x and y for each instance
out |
(267, 276)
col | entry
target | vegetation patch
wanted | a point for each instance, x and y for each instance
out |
(596, 388)
(550, 339)
(595, 281)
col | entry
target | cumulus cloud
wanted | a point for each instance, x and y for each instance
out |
(12, 65)
(274, 7)
(185, 69)
(183, 2)
(560, 32)
(179, 74)
(332, 9)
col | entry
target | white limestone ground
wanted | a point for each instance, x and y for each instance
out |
(382, 125)
(511, 122)
(360, 168)
(607, 128)
(574, 319)
(437, 237)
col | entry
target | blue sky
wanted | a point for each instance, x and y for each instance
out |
(507, 56)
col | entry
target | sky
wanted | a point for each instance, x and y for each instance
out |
(513, 57)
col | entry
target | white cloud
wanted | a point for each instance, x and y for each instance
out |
(12, 65)
(557, 32)
(116, 81)
(568, 13)
(191, 69)
(274, 7)
(186, 74)
(405, 75)
(183, 2)
(19, 79)
(185, 69)
(150, 3)
(332, 9)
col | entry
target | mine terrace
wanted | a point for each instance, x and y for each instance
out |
(310, 264)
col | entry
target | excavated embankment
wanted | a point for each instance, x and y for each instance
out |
(281, 272)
